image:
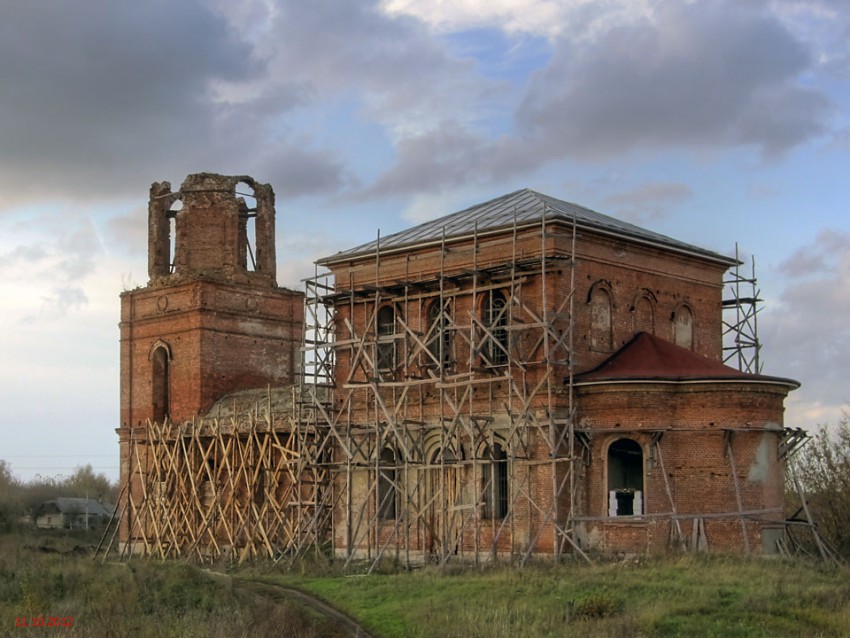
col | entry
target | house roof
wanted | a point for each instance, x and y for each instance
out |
(521, 207)
(68, 505)
(650, 358)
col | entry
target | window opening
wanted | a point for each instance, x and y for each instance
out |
(496, 483)
(247, 202)
(176, 207)
(625, 478)
(386, 345)
(161, 384)
(496, 320)
(440, 342)
(387, 493)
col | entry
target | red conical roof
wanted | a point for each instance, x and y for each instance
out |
(647, 357)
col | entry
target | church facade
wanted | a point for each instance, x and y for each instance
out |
(523, 378)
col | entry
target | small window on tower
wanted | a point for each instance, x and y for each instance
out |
(161, 384)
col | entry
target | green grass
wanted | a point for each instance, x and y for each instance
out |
(673, 596)
(54, 575)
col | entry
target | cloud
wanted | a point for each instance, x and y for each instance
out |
(551, 18)
(649, 201)
(125, 94)
(806, 334)
(699, 75)
(128, 233)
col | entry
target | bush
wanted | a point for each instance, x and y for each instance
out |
(823, 468)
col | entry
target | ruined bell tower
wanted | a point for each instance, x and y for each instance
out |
(211, 319)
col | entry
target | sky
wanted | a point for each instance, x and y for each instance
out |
(711, 121)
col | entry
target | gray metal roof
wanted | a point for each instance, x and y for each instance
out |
(523, 207)
(69, 505)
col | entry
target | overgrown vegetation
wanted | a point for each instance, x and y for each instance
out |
(823, 468)
(54, 576)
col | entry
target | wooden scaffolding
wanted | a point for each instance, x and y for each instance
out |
(409, 455)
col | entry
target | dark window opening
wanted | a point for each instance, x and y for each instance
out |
(496, 500)
(386, 344)
(387, 493)
(625, 478)
(496, 320)
(440, 338)
(161, 382)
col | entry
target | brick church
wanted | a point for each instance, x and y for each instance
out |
(523, 378)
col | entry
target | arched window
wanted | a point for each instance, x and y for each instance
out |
(600, 319)
(625, 478)
(643, 314)
(683, 327)
(496, 319)
(386, 344)
(439, 338)
(160, 384)
(496, 499)
(387, 493)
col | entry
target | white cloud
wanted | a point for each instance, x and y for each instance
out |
(549, 18)
(806, 334)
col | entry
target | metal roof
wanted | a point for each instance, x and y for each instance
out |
(521, 207)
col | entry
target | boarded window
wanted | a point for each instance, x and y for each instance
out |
(644, 315)
(625, 478)
(600, 320)
(683, 328)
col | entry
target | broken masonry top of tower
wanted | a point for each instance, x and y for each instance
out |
(219, 227)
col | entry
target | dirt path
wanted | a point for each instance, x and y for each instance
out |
(281, 592)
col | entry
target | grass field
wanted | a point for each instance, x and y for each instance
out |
(54, 576)
(673, 596)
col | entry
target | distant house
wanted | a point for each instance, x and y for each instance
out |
(72, 513)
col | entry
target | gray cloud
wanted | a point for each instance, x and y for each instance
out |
(102, 98)
(705, 75)
(128, 233)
